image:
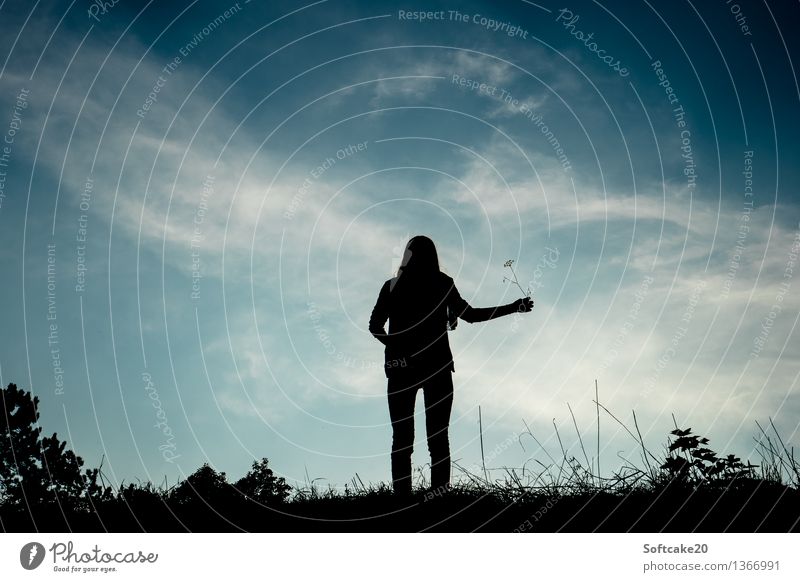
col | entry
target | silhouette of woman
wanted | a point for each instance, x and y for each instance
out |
(422, 304)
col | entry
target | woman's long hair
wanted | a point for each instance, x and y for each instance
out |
(420, 258)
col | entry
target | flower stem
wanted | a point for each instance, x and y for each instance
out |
(516, 282)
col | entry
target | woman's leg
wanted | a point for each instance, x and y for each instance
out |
(402, 392)
(438, 391)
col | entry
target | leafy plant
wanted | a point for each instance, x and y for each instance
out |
(690, 461)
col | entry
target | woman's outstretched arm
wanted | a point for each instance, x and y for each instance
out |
(471, 314)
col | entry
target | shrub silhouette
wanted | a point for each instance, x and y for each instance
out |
(203, 486)
(261, 485)
(36, 469)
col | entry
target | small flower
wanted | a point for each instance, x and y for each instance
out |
(508, 264)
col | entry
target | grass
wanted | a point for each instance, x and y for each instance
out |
(686, 487)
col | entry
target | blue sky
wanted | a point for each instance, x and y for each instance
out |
(238, 180)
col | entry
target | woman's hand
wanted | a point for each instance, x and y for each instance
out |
(523, 305)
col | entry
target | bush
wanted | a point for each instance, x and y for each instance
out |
(261, 485)
(205, 486)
